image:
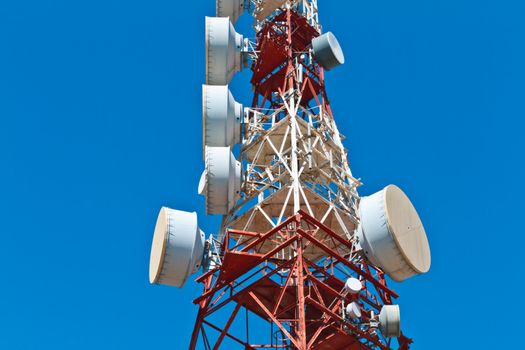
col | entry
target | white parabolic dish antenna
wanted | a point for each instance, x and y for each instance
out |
(353, 310)
(390, 321)
(327, 51)
(392, 235)
(353, 285)
(221, 117)
(223, 51)
(178, 248)
(230, 8)
(221, 181)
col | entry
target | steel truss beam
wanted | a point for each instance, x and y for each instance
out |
(301, 297)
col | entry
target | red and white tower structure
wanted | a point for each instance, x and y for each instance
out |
(300, 260)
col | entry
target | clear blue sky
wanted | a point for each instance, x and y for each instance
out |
(100, 125)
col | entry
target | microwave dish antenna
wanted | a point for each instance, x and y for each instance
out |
(353, 285)
(327, 51)
(230, 8)
(353, 310)
(178, 248)
(221, 117)
(223, 51)
(390, 321)
(221, 181)
(392, 234)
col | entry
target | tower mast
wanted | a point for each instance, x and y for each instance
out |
(298, 250)
(295, 221)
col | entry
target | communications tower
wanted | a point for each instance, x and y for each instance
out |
(300, 260)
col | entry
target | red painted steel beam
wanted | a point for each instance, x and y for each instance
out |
(349, 264)
(276, 321)
(269, 233)
(351, 326)
(246, 345)
(310, 219)
(326, 274)
(227, 327)
(285, 287)
(301, 310)
(246, 289)
(221, 284)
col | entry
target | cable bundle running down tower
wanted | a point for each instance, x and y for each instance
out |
(298, 250)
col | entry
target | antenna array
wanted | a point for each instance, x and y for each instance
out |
(297, 247)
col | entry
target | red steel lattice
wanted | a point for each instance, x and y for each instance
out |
(303, 298)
